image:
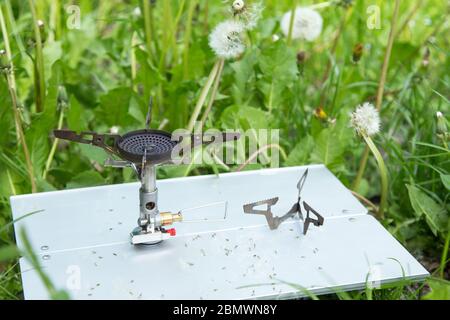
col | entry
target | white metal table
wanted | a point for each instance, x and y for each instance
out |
(82, 240)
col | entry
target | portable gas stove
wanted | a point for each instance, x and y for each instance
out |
(143, 150)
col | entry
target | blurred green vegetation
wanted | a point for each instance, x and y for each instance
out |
(102, 75)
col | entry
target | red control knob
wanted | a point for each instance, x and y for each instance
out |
(172, 232)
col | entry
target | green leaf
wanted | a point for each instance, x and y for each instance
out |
(328, 149)
(253, 118)
(424, 205)
(114, 107)
(401, 51)
(44, 185)
(60, 295)
(197, 58)
(445, 178)
(279, 69)
(84, 179)
(244, 77)
(79, 41)
(51, 99)
(246, 117)
(39, 154)
(301, 153)
(6, 112)
(8, 253)
(332, 142)
(135, 111)
(52, 52)
(364, 187)
(93, 153)
(279, 61)
(74, 115)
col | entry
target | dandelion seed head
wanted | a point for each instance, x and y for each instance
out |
(252, 15)
(307, 24)
(366, 119)
(137, 11)
(114, 130)
(226, 39)
(248, 15)
(441, 123)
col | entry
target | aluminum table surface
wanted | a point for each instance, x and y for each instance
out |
(82, 239)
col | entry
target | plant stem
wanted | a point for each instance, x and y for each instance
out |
(365, 200)
(411, 14)
(55, 19)
(260, 150)
(13, 25)
(175, 31)
(12, 80)
(206, 11)
(320, 5)
(382, 81)
(101, 15)
(54, 146)
(39, 78)
(387, 56)
(383, 175)
(196, 152)
(214, 92)
(148, 26)
(203, 95)
(333, 48)
(167, 35)
(133, 62)
(187, 37)
(291, 22)
(361, 169)
(29, 254)
(220, 162)
(11, 183)
(10, 77)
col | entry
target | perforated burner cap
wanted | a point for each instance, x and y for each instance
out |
(158, 144)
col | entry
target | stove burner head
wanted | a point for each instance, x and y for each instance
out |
(156, 143)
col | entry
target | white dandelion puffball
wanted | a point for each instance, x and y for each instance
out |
(137, 12)
(114, 130)
(252, 14)
(249, 15)
(226, 39)
(238, 5)
(307, 24)
(366, 119)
